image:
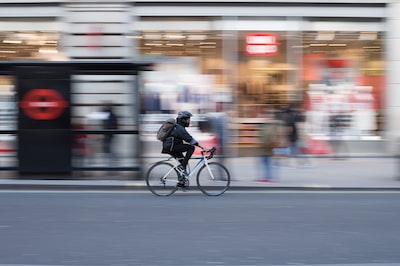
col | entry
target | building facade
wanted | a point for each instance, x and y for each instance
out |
(241, 57)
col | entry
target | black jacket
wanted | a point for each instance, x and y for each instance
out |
(290, 117)
(179, 135)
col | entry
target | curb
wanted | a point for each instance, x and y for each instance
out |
(127, 186)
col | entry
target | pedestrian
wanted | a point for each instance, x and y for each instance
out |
(79, 145)
(218, 125)
(302, 142)
(110, 123)
(270, 139)
(290, 117)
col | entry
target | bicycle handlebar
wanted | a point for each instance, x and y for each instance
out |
(210, 151)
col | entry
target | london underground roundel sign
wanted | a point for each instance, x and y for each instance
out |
(43, 104)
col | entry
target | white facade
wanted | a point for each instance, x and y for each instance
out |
(101, 29)
(393, 78)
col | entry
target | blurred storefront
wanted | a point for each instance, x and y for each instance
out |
(325, 66)
(243, 57)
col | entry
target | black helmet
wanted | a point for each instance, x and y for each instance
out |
(184, 114)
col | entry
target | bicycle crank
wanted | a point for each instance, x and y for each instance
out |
(184, 183)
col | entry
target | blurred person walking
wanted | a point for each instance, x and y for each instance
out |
(289, 117)
(218, 125)
(302, 142)
(109, 123)
(270, 139)
(296, 132)
(79, 146)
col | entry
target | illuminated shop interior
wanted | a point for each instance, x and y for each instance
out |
(303, 62)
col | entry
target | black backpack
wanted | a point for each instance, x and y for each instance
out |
(166, 128)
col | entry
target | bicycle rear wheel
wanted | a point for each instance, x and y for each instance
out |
(213, 180)
(162, 178)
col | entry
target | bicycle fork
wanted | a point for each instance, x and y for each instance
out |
(209, 170)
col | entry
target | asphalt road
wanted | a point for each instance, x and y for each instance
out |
(137, 228)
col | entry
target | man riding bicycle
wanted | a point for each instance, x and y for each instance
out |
(180, 141)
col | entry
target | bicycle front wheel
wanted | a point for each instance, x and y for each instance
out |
(162, 178)
(213, 180)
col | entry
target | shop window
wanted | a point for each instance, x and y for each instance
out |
(266, 73)
(30, 45)
(93, 99)
(343, 75)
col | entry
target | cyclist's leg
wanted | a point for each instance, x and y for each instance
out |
(177, 155)
(180, 148)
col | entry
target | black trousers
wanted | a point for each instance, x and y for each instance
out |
(107, 143)
(179, 149)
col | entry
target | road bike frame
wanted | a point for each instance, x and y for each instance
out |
(212, 178)
(203, 160)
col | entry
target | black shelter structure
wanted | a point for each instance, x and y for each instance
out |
(44, 130)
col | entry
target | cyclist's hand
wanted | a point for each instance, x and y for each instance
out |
(203, 148)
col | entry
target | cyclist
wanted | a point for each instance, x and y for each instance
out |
(181, 141)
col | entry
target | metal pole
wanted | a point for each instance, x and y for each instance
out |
(137, 108)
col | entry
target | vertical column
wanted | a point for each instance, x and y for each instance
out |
(393, 77)
(230, 57)
(294, 58)
(96, 30)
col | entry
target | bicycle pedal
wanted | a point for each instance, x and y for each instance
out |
(183, 184)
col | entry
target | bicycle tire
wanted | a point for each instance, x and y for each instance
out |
(213, 187)
(156, 173)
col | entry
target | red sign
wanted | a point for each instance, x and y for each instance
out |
(338, 63)
(43, 104)
(261, 44)
(94, 37)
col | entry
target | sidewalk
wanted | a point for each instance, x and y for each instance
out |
(324, 174)
(346, 173)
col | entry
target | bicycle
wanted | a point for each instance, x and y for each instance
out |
(213, 178)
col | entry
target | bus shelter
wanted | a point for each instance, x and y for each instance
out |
(49, 98)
